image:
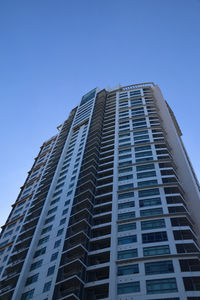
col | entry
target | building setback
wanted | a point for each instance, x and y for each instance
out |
(110, 208)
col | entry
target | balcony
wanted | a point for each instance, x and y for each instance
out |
(107, 143)
(100, 244)
(102, 218)
(81, 215)
(70, 289)
(89, 185)
(107, 154)
(18, 257)
(86, 203)
(6, 293)
(30, 223)
(23, 244)
(105, 181)
(100, 258)
(102, 231)
(87, 194)
(106, 160)
(26, 234)
(98, 274)
(82, 225)
(77, 252)
(80, 238)
(8, 284)
(103, 199)
(11, 271)
(105, 166)
(91, 170)
(105, 174)
(104, 190)
(107, 148)
(75, 267)
(103, 209)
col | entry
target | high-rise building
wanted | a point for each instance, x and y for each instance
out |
(110, 208)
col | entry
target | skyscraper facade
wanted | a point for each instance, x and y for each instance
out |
(110, 208)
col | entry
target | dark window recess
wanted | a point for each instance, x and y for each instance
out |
(188, 265)
(174, 199)
(183, 235)
(172, 190)
(180, 222)
(176, 209)
(192, 283)
(186, 248)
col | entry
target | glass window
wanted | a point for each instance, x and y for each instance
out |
(126, 216)
(159, 267)
(157, 250)
(126, 177)
(65, 211)
(159, 286)
(57, 243)
(57, 193)
(40, 252)
(67, 202)
(125, 187)
(47, 287)
(148, 182)
(152, 224)
(124, 135)
(64, 172)
(142, 148)
(124, 140)
(54, 256)
(145, 167)
(125, 151)
(36, 265)
(125, 170)
(50, 270)
(126, 204)
(43, 240)
(125, 254)
(140, 132)
(154, 237)
(138, 138)
(62, 221)
(127, 239)
(61, 179)
(28, 295)
(125, 195)
(55, 201)
(128, 269)
(151, 212)
(126, 227)
(149, 192)
(125, 163)
(143, 154)
(60, 231)
(135, 92)
(146, 174)
(49, 220)
(32, 279)
(150, 202)
(144, 159)
(125, 156)
(127, 288)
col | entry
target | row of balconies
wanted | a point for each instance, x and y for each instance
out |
(21, 248)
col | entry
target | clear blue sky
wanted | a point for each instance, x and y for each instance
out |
(54, 51)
